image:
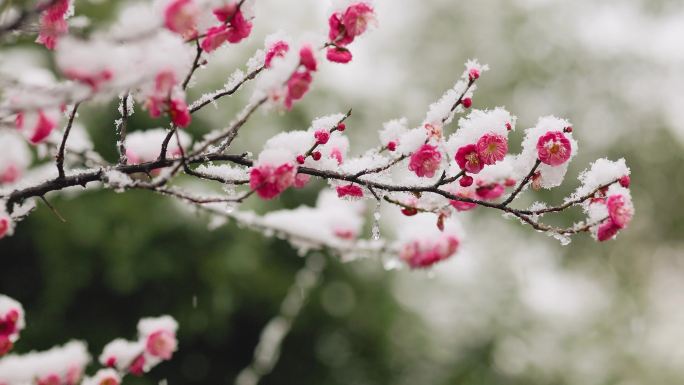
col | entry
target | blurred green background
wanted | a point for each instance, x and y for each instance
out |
(515, 307)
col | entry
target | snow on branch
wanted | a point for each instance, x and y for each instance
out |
(457, 159)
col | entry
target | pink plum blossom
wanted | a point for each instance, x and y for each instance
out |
(53, 24)
(322, 136)
(554, 148)
(180, 16)
(351, 190)
(468, 159)
(425, 253)
(270, 180)
(307, 58)
(490, 191)
(179, 113)
(425, 161)
(492, 148)
(94, 80)
(619, 210)
(339, 55)
(162, 344)
(277, 49)
(356, 19)
(607, 230)
(297, 86)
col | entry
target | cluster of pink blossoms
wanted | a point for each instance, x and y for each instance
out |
(272, 174)
(156, 343)
(345, 27)
(53, 23)
(11, 321)
(182, 16)
(300, 81)
(65, 365)
(617, 201)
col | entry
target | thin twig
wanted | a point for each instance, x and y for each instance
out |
(62, 147)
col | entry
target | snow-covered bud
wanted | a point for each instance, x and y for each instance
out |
(322, 136)
(272, 174)
(625, 181)
(424, 245)
(473, 74)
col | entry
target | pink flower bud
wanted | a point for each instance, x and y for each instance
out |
(392, 145)
(322, 136)
(269, 181)
(179, 113)
(341, 127)
(473, 74)
(490, 191)
(297, 86)
(316, 155)
(465, 181)
(619, 210)
(625, 181)
(180, 16)
(467, 102)
(300, 159)
(409, 211)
